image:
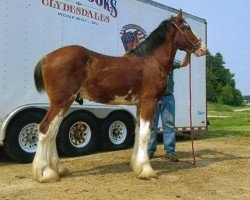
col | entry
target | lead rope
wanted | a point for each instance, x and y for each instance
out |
(190, 110)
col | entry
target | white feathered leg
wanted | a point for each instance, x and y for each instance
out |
(46, 162)
(141, 166)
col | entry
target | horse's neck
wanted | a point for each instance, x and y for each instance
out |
(165, 55)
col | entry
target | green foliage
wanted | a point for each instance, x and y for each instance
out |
(219, 109)
(227, 95)
(238, 97)
(226, 121)
(220, 82)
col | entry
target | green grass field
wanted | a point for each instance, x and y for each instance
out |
(226, 121)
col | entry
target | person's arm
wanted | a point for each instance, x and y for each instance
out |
(177, 64)
(185, 60)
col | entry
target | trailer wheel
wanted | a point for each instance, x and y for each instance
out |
(21, 138)
(117, 131)
(78, 134)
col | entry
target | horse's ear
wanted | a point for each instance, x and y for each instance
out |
(179, 16)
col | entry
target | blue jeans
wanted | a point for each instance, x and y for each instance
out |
(165, 109)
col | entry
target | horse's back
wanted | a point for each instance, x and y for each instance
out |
(67, 53)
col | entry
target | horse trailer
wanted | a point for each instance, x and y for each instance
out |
(33, 28)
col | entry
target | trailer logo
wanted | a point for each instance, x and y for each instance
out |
(108, 5)
(85, 8)
(131, 35)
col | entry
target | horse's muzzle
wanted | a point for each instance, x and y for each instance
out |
(201, 51)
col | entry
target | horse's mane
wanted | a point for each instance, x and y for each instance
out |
(154, 40)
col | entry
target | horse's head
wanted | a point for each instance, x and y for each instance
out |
(185, 39)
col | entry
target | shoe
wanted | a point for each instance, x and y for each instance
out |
(170, 158)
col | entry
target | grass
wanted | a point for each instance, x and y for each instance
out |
(226, 122)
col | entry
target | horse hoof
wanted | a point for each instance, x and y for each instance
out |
(50, 176)
(147, 176)
(147, 173)
(46, 175)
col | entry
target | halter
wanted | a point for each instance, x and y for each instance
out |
(195, 46)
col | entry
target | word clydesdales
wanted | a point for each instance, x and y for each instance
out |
(108, 5)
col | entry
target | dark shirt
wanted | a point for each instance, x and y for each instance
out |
(170, 77)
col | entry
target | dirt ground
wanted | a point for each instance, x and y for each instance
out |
(222, 172)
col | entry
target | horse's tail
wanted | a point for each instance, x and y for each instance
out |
(38, 77)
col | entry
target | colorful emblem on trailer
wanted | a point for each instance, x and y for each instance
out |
(131, 35)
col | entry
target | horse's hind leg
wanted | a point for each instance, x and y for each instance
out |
(54, 161)
(46, 164)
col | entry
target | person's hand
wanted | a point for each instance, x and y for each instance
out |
(185, 60)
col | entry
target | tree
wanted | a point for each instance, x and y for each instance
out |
(238, 98)
(220, 82)
(227, 95)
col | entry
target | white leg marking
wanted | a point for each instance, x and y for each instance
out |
(142, 165)
(46, 162)
(143, 140)
(54, 161)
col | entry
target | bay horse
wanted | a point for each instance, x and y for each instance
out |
(138, 78)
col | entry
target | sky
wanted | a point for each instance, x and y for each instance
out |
(228, 24)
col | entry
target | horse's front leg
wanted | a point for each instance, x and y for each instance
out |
(140, 163)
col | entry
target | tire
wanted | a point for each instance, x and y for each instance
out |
(21, 138)
(78, 134)
(117, 131)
